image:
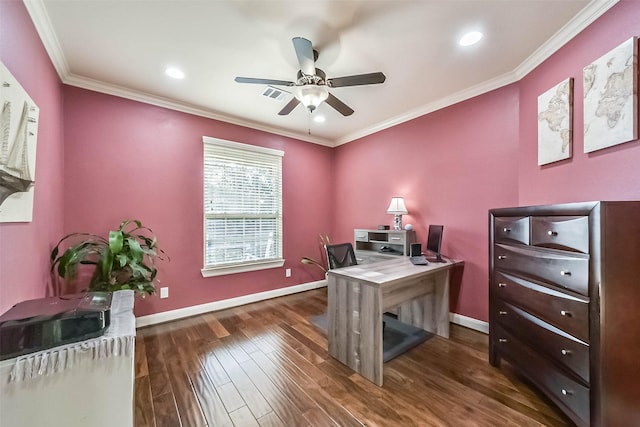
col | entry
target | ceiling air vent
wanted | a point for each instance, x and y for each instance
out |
(275, 93)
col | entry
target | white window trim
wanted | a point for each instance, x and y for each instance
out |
(247, 266)
(232, 269)
(241, 146)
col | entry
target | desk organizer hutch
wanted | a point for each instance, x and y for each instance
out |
(564, 302)
(369, 244)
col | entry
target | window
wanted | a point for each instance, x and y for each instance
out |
(242, 207)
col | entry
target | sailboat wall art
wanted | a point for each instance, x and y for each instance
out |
(18, 137)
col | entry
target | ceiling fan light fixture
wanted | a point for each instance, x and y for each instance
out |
(311, 95)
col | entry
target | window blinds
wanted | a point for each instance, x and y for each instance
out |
(242, 203)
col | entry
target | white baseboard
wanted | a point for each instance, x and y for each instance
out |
(469, 322)
(167, 316)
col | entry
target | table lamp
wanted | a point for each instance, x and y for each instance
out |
(397, 208)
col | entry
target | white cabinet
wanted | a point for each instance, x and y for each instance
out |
(96, 390)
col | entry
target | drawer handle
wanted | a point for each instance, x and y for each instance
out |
(506, 230)
(567, 392)
(502, 340)
(502, 313)
(552, 233)
(502, 257)
(565, 313)
(502, 285)
(565, 273)
(395, 238)
(566, 352)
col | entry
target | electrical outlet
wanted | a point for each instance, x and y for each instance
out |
(287, 272)
(164, 292)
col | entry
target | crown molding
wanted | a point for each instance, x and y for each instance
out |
(447, 101)
(38, 13)
(40, 18)
(582, 20)
(123, 92)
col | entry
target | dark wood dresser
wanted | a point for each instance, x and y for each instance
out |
(564, 302)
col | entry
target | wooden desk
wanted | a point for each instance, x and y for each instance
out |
(359, 295)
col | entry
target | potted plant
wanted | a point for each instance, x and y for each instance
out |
(322, 264)
(124, 260)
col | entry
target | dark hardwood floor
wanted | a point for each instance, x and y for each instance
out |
(266, 364)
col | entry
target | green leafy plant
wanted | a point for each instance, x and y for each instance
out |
(323, 263)
(126, 260)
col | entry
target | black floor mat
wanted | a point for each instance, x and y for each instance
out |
(397, 338)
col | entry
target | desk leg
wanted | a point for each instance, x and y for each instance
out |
(431, 310)
(337, 324)
(355, 326)
(441, 308)
(371, 346)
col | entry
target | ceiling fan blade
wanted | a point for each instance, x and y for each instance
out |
(263, 81)
(339, 106)
(304, 52)
(289, 107)
(357, 80)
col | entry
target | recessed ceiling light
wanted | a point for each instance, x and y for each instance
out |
(174, 73)
(470, 38)
(318, 119)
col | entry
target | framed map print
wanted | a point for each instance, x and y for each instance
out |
(611, 98)
(555, 123)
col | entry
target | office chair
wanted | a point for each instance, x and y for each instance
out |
(340, 255)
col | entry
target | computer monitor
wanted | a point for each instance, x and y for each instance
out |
(434, 241)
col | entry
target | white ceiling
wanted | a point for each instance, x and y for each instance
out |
(123, 47)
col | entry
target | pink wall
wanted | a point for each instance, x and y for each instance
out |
(451, 166)
(455, 164)
(609, 174)
(25, 247)
(125, 159)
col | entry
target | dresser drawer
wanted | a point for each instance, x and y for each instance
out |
(561, 232)
(565, 270)
(569, 313)
(570, 352)
(567, 393)
(511, 229)
(361, 235)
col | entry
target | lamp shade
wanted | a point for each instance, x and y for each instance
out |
(311, 95)
(397, 206)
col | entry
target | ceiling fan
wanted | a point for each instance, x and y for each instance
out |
(312, 85)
